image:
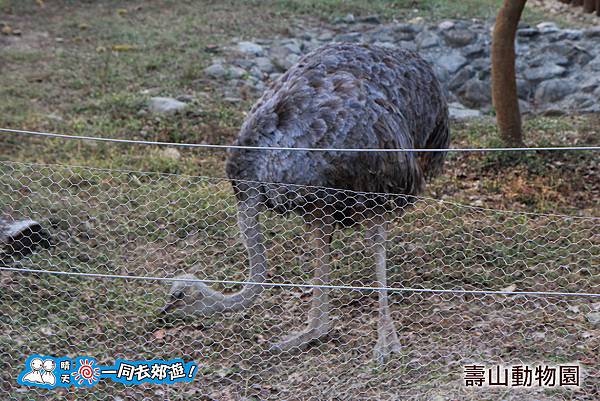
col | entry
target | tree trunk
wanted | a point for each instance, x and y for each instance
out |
(589, 6)
(504, 83)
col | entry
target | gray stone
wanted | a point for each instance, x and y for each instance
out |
(275, 76)
(215, 71)
(593, 318)
(293, 46)
(387, 45)
(325, 36)
(236, 72)
(544, 72)
(459, 37)
(427, 39)
(165, 105)
(352, 37)
(170, 153)
(476, 93)
(250, 48)
(185, 98)
(461, 78)
(445, 25)
(570, 34)
(459, 112)
(407, 28)
(524, 89)
(589, 84)
(580, 102)
(369, 19)
(547, 27)
(553, 90)
(474, 51)
(592, 33)
(528, 32)
(593, 65)
(408, 45)
(264, 64)
(452, 62)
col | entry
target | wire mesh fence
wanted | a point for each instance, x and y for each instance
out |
(466, 285)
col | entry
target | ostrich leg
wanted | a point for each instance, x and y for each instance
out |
(318, 316)
(387, 338)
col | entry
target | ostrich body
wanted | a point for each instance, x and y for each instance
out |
(338, 96)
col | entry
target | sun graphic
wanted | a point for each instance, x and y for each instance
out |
(86, 372)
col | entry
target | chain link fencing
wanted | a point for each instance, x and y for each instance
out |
(466, 285)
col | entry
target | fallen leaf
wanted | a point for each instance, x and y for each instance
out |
(123, 48)
(159, 334)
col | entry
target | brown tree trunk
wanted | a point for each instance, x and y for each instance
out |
(504, 83)
(589, 6)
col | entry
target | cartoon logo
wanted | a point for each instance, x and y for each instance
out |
(50, 372)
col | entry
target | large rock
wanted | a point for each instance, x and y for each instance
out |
(544, 72)
(165, 105)
(250, 48)
(216, 70)
(19, 238)
(554, 90)
(452, 62)
(426, 40)
(476, 93)
(459, 112)
(459, 37)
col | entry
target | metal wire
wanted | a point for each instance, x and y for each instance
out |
(307, 286)
(214, 146)
(465, 284)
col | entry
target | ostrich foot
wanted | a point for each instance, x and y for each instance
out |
(298, 341)
(387, 342)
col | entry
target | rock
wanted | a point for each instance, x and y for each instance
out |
(593, 318)
(407, 28)
(544, 72)
(20, 237)
(592, 33)
(476, 93)
(387, 45)
(528, 32)
(553, 90)
(264, 64)
(445, 25)
(589, 84)
(570, 34)
(170, 153)
(165, 105)
(236, 72)
(250, 48)
(547, 27)
(185, 98)
(352, 37)
(459, 37)
(215, 71)
(370, 19)
(293, 46)
(459, 112)
(524, 89)
(593, 65)
(461, 78)
(426, 40)
(325, 36)
(452, 62)
(407, 45)
(581, 102)
(473, 51)
(349, 18)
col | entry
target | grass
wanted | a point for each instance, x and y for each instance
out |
(92, 74)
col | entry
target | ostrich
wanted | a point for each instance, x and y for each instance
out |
(337, 96)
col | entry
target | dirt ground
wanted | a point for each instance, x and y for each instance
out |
(137, 211)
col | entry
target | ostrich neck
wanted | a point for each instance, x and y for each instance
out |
(251, 232)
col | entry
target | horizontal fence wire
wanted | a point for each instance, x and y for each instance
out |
(279, 148)
(126, 264)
